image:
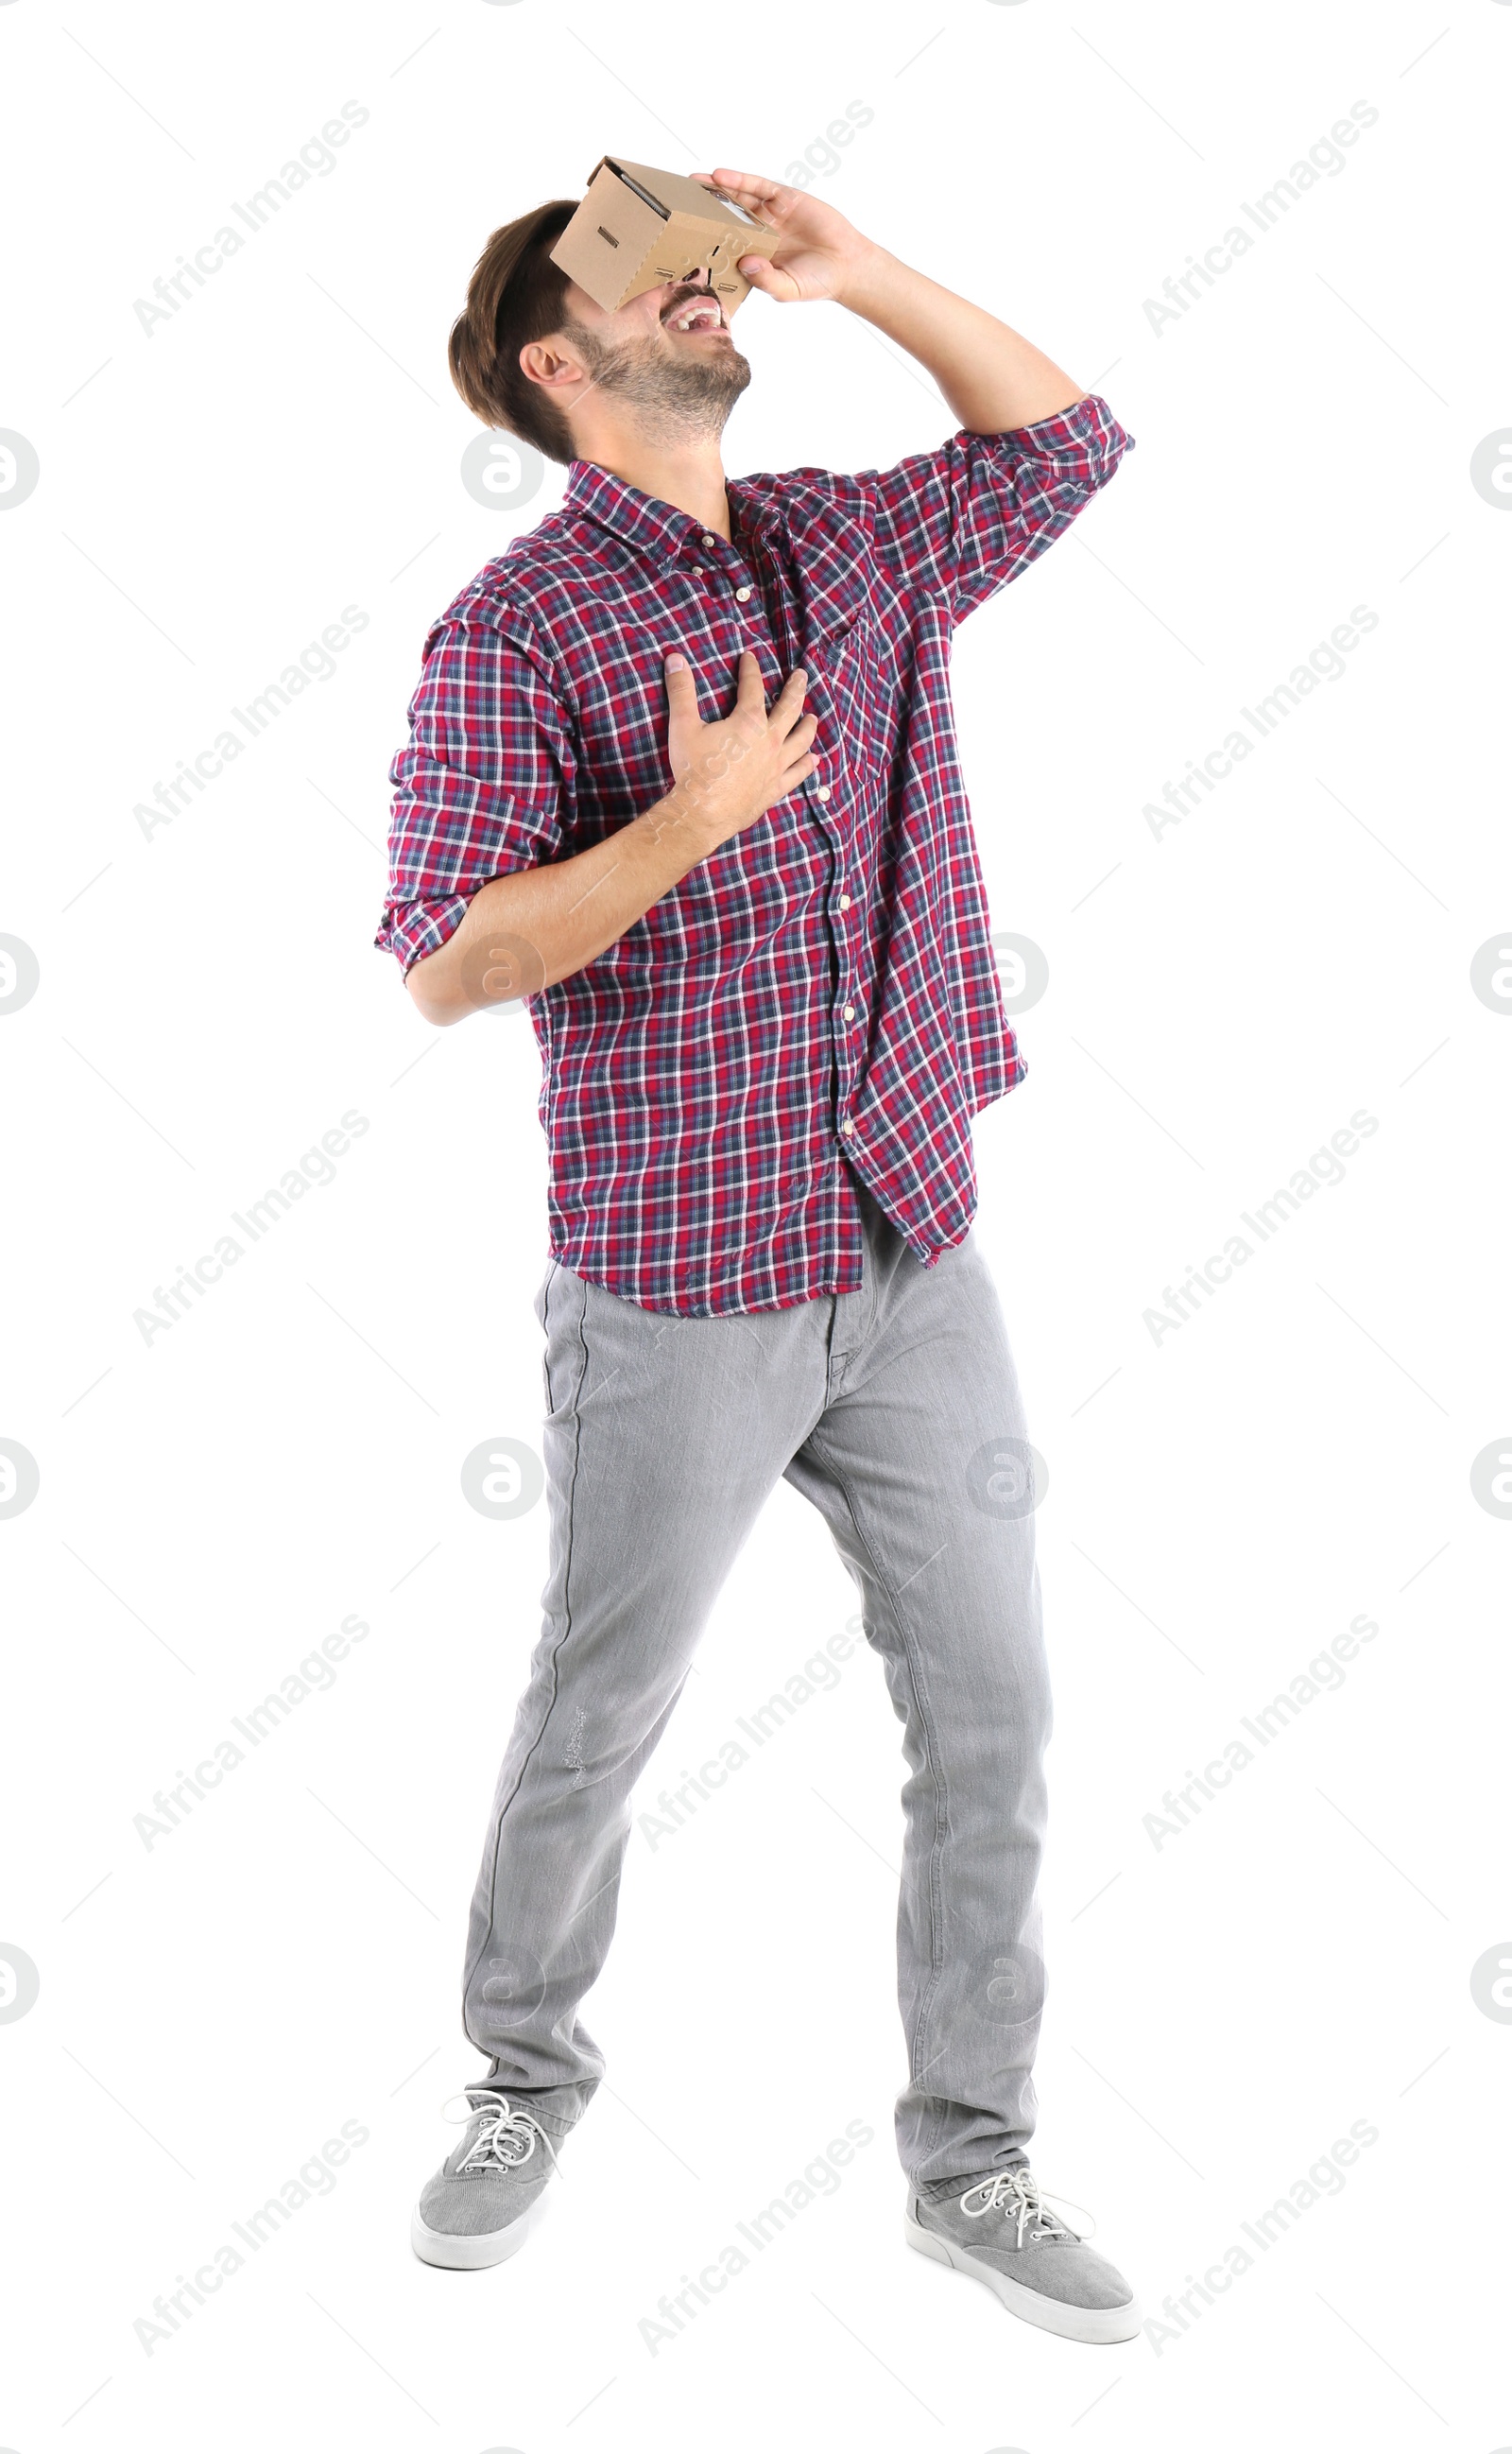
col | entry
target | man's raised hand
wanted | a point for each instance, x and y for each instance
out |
(818, 250)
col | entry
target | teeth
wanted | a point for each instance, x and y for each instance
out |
(707, 315)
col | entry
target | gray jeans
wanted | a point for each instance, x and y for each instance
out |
(896, 1411)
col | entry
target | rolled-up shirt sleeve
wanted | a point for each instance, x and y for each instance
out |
(485, 783)
(961, 521)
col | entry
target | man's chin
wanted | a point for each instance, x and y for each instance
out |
(714, 348)
(711, 385)
(669, 387)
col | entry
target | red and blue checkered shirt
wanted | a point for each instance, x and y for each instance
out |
(820, 994)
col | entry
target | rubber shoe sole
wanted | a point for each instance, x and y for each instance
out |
(467, 2250)
(1056, 2317)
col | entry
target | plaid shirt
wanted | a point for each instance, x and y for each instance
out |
(820, 994)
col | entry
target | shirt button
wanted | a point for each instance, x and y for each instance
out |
(848, 1127)
(699, 568)
(740, 595)
(706, 540)
(845, 903)
(851, 1013)
(824, 792)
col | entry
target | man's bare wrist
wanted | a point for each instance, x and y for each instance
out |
(677, 821)
(871, 280)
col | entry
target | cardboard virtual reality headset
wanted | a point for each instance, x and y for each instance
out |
(638, 227)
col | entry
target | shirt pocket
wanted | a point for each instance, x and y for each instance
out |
(852, 666)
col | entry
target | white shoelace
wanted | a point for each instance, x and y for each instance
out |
(506, 2134)
(1017, 2192)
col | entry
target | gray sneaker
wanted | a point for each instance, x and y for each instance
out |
(477, 2209)
(1000, 2230)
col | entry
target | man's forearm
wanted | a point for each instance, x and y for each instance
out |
(992, 379)
(523, 932)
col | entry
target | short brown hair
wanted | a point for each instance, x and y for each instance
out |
(516, 294)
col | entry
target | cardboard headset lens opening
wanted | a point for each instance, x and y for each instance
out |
(638, 227)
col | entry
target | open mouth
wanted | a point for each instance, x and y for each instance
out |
(696, 315)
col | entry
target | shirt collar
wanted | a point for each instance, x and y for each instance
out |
(641, 520)
(829, 565)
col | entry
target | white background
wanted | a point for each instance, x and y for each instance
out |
(1222, 997)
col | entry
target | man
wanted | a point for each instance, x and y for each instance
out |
(682, 770)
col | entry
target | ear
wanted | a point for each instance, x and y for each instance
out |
(549, 363)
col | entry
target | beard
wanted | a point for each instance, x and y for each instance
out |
(675, 399)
